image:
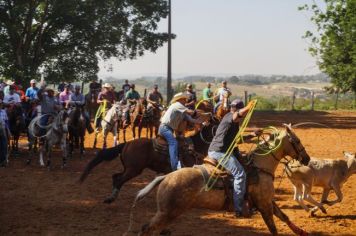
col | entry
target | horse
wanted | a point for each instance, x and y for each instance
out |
(56, 133)
(33, 111)
(90, 102)
(109, 124)
(205, 105)
(150, 119)
(140, 154)
(223, 108)
(184, 189)
(16, 125)
(137, 117)
(76, 128)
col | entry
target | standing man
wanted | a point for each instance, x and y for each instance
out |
(126, 86)
(64, 96)
(31, 92)
(132, 95)
(4, 125)
(192, 97)
(170, 121)
(77, 98)
(225, 134)
(155, 98)
(207, 94)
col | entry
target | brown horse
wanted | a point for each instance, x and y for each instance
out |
(140, 154)
(16, 125)
(90, 102)
(76, 128)
(205, 106)
(182, 190)
(223, 108)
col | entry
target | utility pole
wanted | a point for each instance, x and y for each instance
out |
(169, 69)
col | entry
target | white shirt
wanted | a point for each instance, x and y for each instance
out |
(222, 92)
(174, 115)
(12, 99)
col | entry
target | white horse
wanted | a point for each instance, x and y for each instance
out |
(109, 124)
(56, 133)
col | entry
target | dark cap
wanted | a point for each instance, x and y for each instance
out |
(237, 103)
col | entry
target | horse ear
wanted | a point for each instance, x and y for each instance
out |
(288, 127)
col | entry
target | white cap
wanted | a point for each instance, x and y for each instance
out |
(33, 81)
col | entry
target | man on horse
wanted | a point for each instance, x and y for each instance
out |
(78, 99)
(49, 105)
(31, 92)
(94, 89)
(170, 122)
(191, 97)
(4, 126)
(225, 134)
(222, 92)
(64, 96)
(105, 99)
(132, 96)
(12, 98)
(154, 98)
(126, 86)
(207, 94)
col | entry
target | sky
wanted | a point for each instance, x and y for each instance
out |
(228, 37)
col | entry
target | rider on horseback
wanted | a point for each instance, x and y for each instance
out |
(225, 134)
(220, 94)
(64, 96)
(78, 99)
(106, 95)
(154, 98)
(207, 94)
(12, 98)
(132, 95)
(49, 105)
(192, 97)
(94, 89)
(170, 121)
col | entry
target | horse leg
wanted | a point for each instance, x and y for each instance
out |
(95, 137)
(283, 217)
(42, 151)
(307, 196)
(115, 135)
(118, 180)
(71, 146)
(157, 224)
(64, 150)
(124, 133)
(105, 134)
(82, 146)
(298, 196)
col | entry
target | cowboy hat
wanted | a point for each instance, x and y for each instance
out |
(179, 96)
(107, 85)
(9, 82)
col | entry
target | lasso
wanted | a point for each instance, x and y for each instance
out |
(222, 162)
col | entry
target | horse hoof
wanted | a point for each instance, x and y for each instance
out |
(108, 200)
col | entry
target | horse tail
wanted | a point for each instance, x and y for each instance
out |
(103, 155)
(141, 194)
(146, 190)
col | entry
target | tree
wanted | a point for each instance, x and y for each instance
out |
(66, 38)
(334, 44)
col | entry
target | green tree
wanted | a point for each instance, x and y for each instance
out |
(66, 38)
(334, 44)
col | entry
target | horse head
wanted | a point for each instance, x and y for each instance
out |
(293, 147)
(60, 122)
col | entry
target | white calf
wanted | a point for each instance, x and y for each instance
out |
(328, 174)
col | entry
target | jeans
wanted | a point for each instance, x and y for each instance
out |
(44, 122)
(167, 133)
(3, 146)
(239, 176)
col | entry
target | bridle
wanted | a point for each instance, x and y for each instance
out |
(297, 146)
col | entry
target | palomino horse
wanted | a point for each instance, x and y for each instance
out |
(76, 128)
(140, 154)
(182, 190)
(109, 124)
(223, 108)
(16, 125)
(56, 133)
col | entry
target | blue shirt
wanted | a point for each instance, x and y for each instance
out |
(31, 93)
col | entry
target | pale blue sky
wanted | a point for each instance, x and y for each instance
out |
(217, 37)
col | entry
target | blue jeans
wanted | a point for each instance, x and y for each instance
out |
(239, 176)
(3, 147)
(167, 133)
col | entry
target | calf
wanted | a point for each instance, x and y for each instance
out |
(328, 174)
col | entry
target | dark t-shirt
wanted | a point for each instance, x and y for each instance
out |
(225, 134)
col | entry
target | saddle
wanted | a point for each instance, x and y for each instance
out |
(224, 181)
(185, 147)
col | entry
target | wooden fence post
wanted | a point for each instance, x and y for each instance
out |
(293, 99)
(246, 97)
(312, 100)
(336, 99)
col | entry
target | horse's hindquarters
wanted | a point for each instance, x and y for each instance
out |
(184, 189)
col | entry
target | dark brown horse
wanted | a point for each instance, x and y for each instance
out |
(140, 154)
(76, 129)
(205, 105)
(16, 125)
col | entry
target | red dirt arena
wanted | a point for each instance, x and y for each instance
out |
(35, 201)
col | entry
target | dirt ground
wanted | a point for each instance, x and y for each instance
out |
(35, 201)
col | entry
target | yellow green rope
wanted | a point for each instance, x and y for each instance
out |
(101, 111)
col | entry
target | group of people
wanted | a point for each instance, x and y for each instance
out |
(182, 108)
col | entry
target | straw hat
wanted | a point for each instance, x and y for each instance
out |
(179, 96)
(9, 82)
(107, 85)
